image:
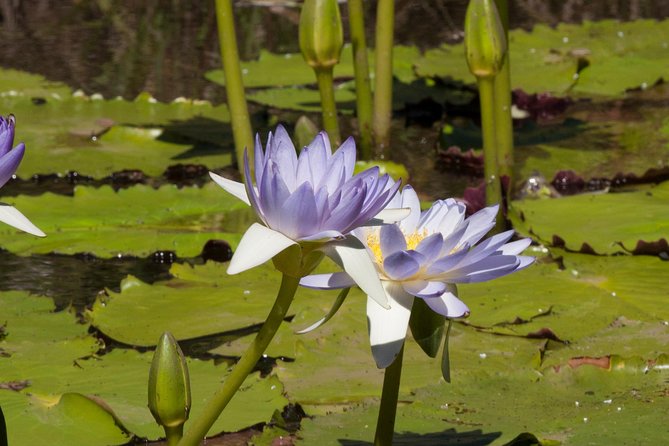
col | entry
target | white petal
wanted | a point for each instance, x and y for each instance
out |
(388, 216)
(352, 256)
(231, 187)
(13, 217)
(448, 303)
(258, 245)
(388, 328)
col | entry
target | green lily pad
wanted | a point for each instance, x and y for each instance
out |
(303, 98)
(55, 368)
(606, 223)
(596, 58)
(135, 221)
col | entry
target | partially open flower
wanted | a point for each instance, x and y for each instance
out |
(312, 201)
(425, 255)
(10, 158)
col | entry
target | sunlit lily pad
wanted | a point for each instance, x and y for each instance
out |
(600, 58)
(603, 223)
(136, 221)
(62, 364)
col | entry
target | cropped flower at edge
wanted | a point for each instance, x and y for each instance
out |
(10, 158)
(311, 200)
(425, 255)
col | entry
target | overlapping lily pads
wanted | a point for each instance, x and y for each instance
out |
(59, 367)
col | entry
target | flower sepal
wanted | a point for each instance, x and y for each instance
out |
(299, 260)
(427, 327)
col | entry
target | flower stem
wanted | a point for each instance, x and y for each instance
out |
(493, 187)
(234, 87)
(503, 120)
(328, 105)
(174, 434)
(385, 424)
(383, 80)
(201, 425)
(363, 89)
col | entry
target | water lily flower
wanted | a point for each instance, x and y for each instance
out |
(425, 255)
(309, 204)
(10, 158)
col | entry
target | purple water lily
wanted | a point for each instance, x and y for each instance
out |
(425, 255)
(10, 158)
(313, 199)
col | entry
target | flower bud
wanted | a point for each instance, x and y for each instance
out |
(485, 42)
(321, 33)
(169, 384)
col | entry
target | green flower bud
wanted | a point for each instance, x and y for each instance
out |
(485, 43)
(321, 33)
(169, 384)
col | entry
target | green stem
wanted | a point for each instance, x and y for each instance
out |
(503, 120)
(234, 87)
(385, 424)
(363, 88)
(383, 79)
(493, 189)
(200, 426)
(174, 434)
(328, 105)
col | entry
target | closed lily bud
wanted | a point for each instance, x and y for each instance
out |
(321, 33)
(169, 384)
(485, 43)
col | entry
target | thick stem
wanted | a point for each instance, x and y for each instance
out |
(493, 187)
(234, 87)
(503, 120)
(174, 434)
(328, 105)
(363, 88)
(383, 78)
(385, 424)
(201, 425)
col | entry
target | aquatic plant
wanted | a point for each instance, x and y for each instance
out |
(307, 206)
(424, 255)
(10, 158)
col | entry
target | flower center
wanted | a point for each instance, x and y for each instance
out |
(412, 240)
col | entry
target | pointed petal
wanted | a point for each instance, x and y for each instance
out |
(388, 328)
(335, 307)
(410, 200)
(391, 240)
(480, 223)
(388, 216)
(431, 246)
(448, 304)
(258, 245)
(424, 288)
(402, 264)
(231, 187)
(352, 256)
(13, 217)
(515, 248)
(327, 281)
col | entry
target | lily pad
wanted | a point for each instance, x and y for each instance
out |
(603, 223)
(136, 221)
(57, 367)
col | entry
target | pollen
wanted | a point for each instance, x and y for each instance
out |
(412, 240)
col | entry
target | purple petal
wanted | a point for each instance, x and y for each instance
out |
(424, 288)
(312, 163)
(258, 161)
(402, 265)
(285, 157)
(327, 281)
(480, 223)
(251, 191)
(347, 153)
(329, 234)
(447, 262)
(298, 217)
(487, 269)
(9, 162)
(273, 194)
(431, 246)
(487, 247)
(391, 240)
(448, 305)
(515, 248)
(6, 134)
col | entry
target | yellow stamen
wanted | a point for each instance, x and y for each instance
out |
(374, 243)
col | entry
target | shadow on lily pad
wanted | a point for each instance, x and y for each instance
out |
(446, 437)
